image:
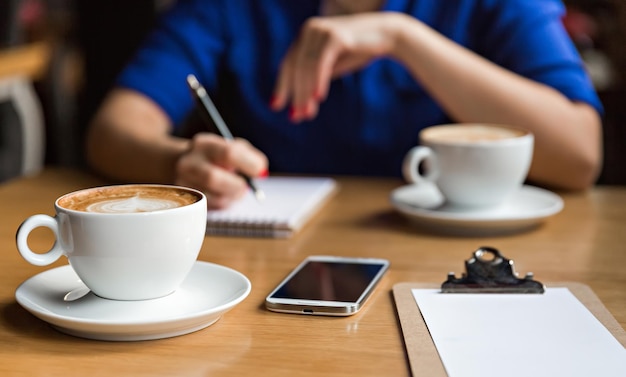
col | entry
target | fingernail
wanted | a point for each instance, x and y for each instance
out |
(293, 114)
(264, 173)
(273, 102)
(311, 111)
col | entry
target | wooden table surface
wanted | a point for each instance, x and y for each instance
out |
(585, 243)
(30, 60)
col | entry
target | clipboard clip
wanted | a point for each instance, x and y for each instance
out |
(490, 272)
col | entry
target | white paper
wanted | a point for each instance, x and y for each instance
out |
(289, 201)
(552, 334)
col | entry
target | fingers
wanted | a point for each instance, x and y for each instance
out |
(219, 186)
(211, 165)
(233, 155)
(328, 47)
(305, 73)
(282, 88)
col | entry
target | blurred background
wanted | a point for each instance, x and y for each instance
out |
(70, 51)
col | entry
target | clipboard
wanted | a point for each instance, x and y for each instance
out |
(422, 354)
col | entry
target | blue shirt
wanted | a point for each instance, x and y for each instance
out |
(371, 118)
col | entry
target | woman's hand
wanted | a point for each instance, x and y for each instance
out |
(326, 48)
(130, 140)
(211, 163)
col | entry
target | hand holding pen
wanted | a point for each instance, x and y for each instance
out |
(216, 164)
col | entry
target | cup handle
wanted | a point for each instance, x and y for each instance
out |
(412, 161)
(38, 259)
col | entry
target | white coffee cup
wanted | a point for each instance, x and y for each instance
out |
(473, 165)
(125, 242)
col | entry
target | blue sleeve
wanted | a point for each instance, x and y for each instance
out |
(189, 40)
(528, 38)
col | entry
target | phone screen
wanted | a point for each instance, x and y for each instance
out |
(330, 281)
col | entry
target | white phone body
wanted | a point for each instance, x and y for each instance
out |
(327, 285)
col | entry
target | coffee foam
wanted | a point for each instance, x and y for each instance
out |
(470, 133)
(128, 199)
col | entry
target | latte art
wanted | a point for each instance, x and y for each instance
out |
(129, 199)
(130, 205)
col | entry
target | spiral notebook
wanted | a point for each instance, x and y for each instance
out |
(289, 203)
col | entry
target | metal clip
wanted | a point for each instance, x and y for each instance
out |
(490, 275)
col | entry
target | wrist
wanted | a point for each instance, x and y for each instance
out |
(404, 30)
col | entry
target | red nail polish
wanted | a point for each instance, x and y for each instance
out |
(264, 173)
(292, 114)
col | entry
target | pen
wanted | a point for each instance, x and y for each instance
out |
(201, 95)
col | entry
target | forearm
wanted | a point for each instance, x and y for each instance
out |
(129, 141)
(472, 89)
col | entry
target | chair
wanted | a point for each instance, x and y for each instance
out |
(22, 125)
(22, 132)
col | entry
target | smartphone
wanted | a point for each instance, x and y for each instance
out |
(327, 285)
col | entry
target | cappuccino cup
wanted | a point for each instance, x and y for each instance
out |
(473, 165)
(125, 242)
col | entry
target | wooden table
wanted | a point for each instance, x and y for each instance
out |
(584, 243)
(30, 60)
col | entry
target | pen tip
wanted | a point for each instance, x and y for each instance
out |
(193, 81)
(260, 195)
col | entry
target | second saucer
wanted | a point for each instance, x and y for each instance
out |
(524, 210)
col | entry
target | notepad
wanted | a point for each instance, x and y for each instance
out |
(289, 203)
(550, 334)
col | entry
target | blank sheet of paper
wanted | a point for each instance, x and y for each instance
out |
(550, 334)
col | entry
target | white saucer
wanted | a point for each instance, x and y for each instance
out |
(525, 209)
(207, 293)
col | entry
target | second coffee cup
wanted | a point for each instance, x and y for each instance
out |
(473, 165)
